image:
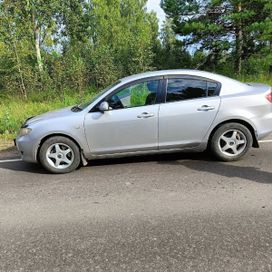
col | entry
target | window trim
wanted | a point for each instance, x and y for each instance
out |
(159, 98)
(167, 77)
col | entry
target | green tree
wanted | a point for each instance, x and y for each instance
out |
(14, 47)
(125, 30)
(172, 54)
(73, 44)
(27, 31)
(220, 27)
(39, 16)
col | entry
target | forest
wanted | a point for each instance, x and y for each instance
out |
(55, 53)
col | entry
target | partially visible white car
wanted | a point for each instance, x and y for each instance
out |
(153, 112)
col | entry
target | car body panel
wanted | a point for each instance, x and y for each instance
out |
(251, 107)
(122, 130)
(185, 123)
(66, 112)
(67, 124)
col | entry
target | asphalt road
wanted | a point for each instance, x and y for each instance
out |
(182, 212)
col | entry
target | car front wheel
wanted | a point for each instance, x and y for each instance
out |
(59, 155)
(231, 141)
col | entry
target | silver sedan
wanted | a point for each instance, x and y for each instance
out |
(149, 113)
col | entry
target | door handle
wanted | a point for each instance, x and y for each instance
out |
(145, 115)
(206, 108)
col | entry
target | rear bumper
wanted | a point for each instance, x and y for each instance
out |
(264, 127)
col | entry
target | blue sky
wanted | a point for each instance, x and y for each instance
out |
(155, 6)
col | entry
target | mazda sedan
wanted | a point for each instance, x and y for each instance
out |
(150, 113)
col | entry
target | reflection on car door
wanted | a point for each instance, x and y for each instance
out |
(191, 107)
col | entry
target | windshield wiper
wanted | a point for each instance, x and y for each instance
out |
(76, 108)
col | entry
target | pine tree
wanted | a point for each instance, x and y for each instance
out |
(219, 27)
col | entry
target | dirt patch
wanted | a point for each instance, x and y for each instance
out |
(5, 143)
(9, 153)
(8, 150)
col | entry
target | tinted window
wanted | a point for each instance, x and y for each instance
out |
(183, 89)
(212, 88)
(135, 95)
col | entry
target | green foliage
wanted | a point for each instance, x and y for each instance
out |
(138, 95)
(224, 30)
(171, 54)
(103, 66)
(74, 44)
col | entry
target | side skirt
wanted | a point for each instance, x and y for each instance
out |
(199, 148)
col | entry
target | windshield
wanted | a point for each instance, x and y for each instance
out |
(86, 104)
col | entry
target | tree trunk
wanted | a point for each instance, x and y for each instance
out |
(21, 78)
(38, 49)
(36, 34)
(239, 43)
(18, 62)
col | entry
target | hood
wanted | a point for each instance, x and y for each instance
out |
(49, 115)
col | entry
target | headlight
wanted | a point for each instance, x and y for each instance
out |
(24, 131)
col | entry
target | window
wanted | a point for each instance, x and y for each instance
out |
(136, 95)
(85, 105)
(213, 88)
(188, 88)
(183, 89)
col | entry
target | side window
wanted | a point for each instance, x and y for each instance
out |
(136, 95)
(212, 88)
(183, 89)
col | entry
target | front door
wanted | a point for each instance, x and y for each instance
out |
(130, 125)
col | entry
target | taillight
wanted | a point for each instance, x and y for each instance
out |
(269, 97)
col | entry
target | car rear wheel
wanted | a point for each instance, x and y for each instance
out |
(59, 155)
(231, 141)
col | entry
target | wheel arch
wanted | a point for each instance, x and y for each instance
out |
(54, 135)
(255, 143)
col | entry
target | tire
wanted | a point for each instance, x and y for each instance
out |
(231, 141)
(59, 155)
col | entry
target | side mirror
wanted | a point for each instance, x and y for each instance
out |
(104, 106)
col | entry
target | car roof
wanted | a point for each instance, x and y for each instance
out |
(199, 73)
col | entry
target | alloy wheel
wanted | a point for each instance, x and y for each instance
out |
(232, 142)
(60, 156)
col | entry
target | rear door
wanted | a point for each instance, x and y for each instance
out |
(190, 107)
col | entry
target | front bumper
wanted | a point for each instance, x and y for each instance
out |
(26, 148)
